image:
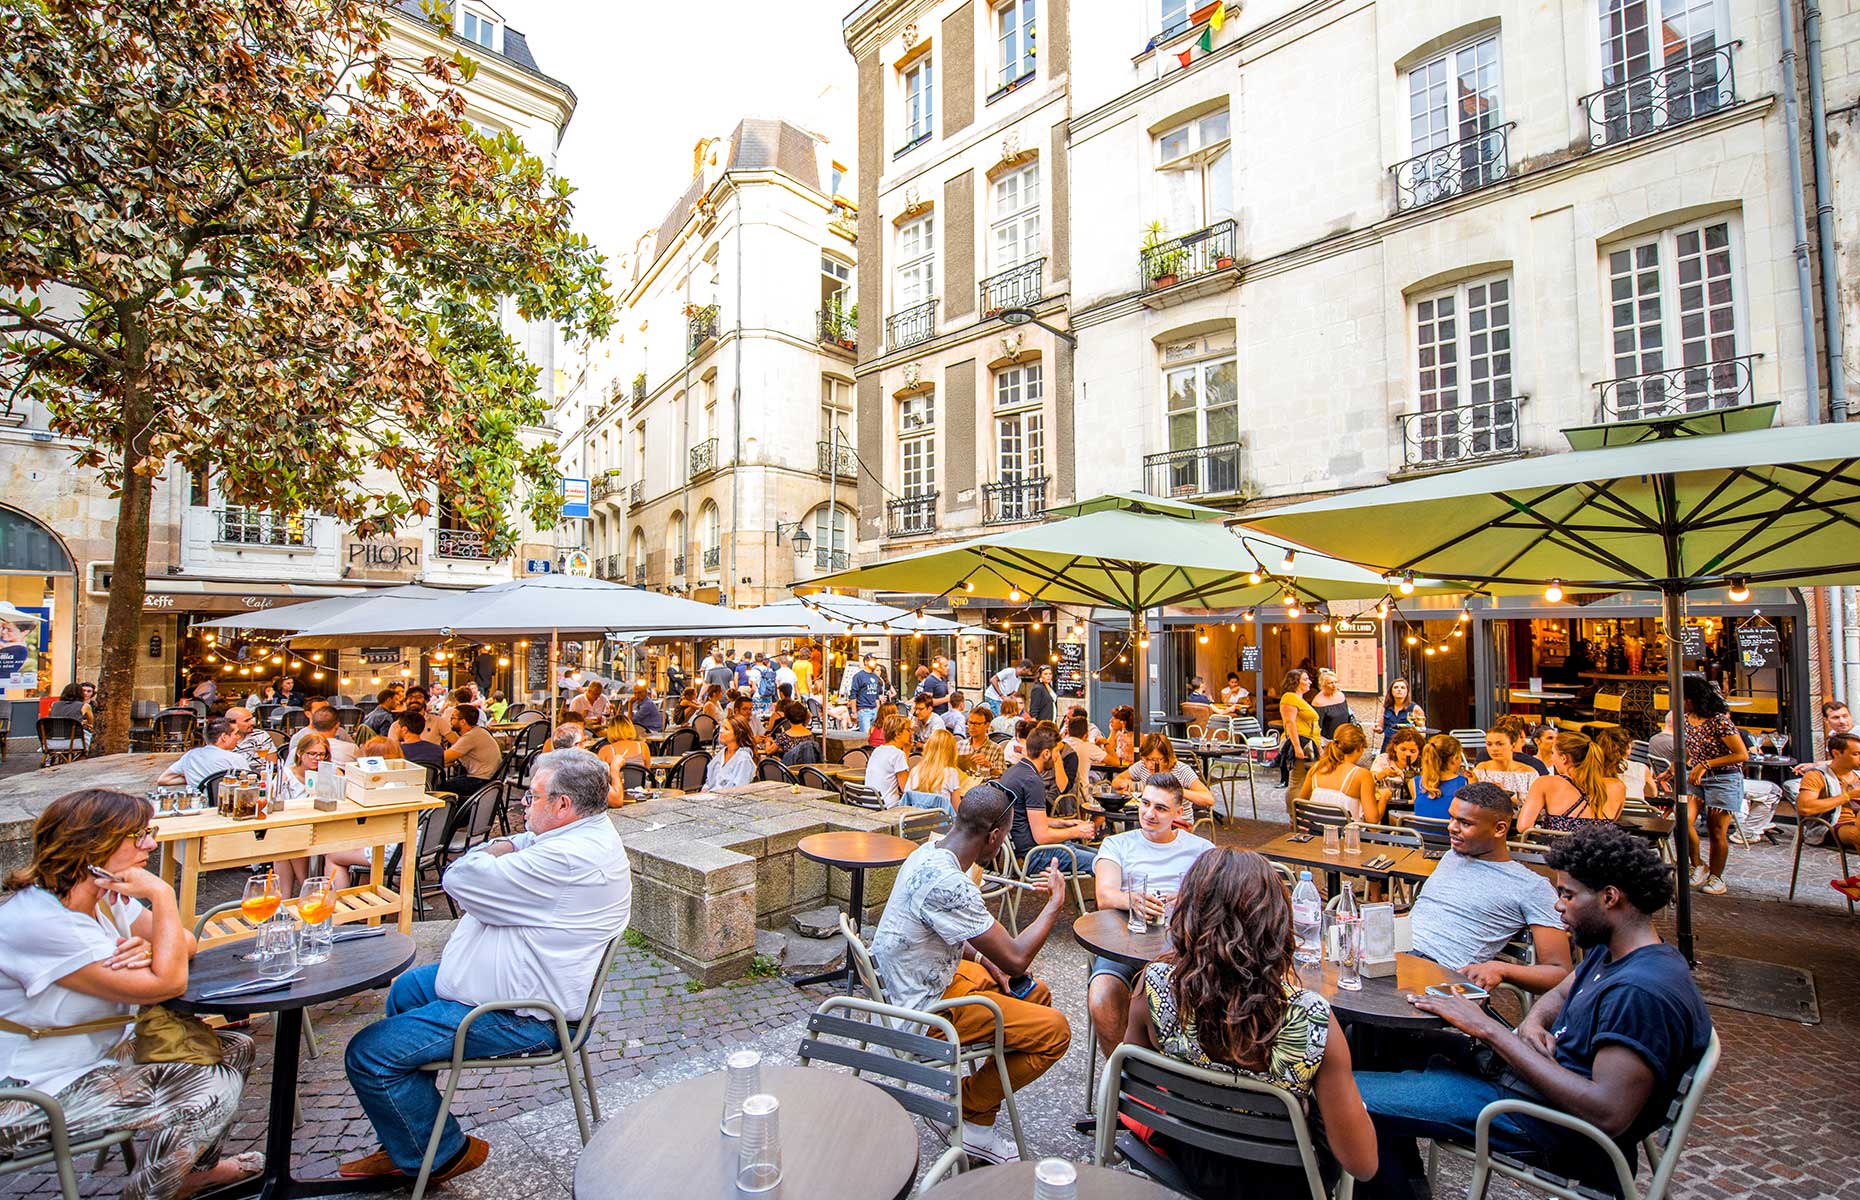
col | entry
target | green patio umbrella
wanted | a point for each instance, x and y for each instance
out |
(1682, 511)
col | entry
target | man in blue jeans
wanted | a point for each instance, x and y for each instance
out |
(1052, 841)
(538, 908)
(1609, 1044)
(863, 690)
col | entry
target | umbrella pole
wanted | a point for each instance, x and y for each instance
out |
(554, 687)
(1682, 808)
(1139, 670)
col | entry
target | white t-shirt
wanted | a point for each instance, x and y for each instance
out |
(203, 761)
(41, 942)
(934, 908)
(786, 675)
(1090, 753)
(1162, 863)
(882, 771)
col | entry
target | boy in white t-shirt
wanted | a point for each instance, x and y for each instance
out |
(1162, 854)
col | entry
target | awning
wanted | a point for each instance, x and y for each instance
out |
(232, 596)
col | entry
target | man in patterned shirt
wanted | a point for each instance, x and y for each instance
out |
(983, 752)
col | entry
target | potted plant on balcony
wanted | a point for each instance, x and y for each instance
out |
(846, 325)
(1164, 266)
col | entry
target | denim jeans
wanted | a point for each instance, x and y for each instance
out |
(1061, 853)
(384, 1060)
(1440, 1103)
(866, 716)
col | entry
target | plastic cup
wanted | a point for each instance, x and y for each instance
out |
(742, 1080)
(1136, 884)
(1352, 840)
(758, 1161)
(1055, 1179)
(277, 947)
(1331, 839)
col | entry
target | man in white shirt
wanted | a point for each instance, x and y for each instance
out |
(591, 704)
(254, 743)
(785, 674)
(328, 725)
(221, 753)
(1162, 854)
(539, 907)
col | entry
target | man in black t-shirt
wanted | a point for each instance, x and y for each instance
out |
(1033, 828)
(1608, 1045)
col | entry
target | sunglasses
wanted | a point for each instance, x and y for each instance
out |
(147, 833)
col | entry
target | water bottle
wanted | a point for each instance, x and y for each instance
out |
(1349, 925)
(1307, 922)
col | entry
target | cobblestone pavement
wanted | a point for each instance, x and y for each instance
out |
(1769, 1128)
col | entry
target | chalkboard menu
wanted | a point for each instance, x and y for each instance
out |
(1069, 674)
(1758, 646)
(1692, 641)
(1249, 658)
(539, 667)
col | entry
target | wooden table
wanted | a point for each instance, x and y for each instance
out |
(1311, 855)
(841, 1139)
(208, 841)
(841, 773)
(1383, 1000)
(1014, 1181)
(1107, 933)
(853, 852)
(658, 764)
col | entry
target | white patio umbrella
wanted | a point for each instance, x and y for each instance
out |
(294, 618)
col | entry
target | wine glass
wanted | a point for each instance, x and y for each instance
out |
(259, 904)
(316, 906)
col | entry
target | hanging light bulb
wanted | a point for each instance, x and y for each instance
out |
(1740, 589)
(1143, 643)
(968, 585)
(1406, 586)
(226, 670)
(1445, 646)
(316, 674)
(1123, 658)
(1324, 625)
(1412, 640)
(1430, 652)
(503, 660)
(406, 672)
(1249, 614)
(1290, 562)
(1294, 612)
(245, 670)
(1382, 610)
(1253, 577)
(1204, 637)
(316, 656)
(920, 617)
(374, 679)
(1554, 592)
(1014, 595)
(439, 656)
(213, 658)
(1036, 625)
(277, 659)
(1052, 658)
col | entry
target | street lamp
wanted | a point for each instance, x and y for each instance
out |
(1024, 316)
(797, 536)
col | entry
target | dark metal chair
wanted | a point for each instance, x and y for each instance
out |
(61, 740)
(771, 769)
(683, 741)
(292, 719)
(176, 729)
(691, 770)
(706, 727)
(814, 777)
(856, 757)
(634, 775)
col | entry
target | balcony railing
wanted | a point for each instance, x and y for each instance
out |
(1013, 501)
(1726, 383)
(700, 327)
(911, 326)
(1693, 87)
(831, 560)
(835, 326)
(704, 457)
(913, 140)
(616, 566)
(1196, 471)
(1190, 256)
(460, 543)
(1448, 436)
(912, 515)
(636, 494)
(678, 564)
(639, 575)
(254, 527)
(1452, 170)
(842, 461)
(713, 558)
(1016, 287)
(607, 484)
(639, 387)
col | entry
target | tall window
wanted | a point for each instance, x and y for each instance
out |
(1680, 40)
(832, 530)
(1020, 432)
(639, 453)
(477, 27)
(1463, 358)
(637, 551)
(1195, 171)
(1014, 30)
(1454, 100)
(917, 444)
(1672, 306)
(710, 533)
(1203, 407)
(835, 280)
(1015, 222)
(916, 273)
(836, 410)
(919, 102)
(675, 544)
(1174, 18)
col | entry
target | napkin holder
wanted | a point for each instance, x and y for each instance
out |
(1378, 940)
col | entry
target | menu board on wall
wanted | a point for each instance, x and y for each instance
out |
(538, 667)
(1758, 646)
(1358, 663)
(1069, 675)
(1692, 640)
(1249, 658)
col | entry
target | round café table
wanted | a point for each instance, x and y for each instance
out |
(1107, 932)
(1014, 1181)
(855, 853)
(841, 1139)
(353, 966)
(1383, 1000)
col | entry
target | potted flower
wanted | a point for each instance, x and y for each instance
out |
(1163, 266)
(849, 326)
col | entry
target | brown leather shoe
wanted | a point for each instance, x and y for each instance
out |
(373, 1167)
(470, 1159)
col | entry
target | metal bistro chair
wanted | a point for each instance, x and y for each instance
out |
(175, 729)
(683, 741)
(1313, 815)
(814, 777)
(691, 770)
(58, 1148)
(1472, 744)
(1262, 749)
(290, 720)
(1433, 830)
(771, 768)
(860, 796)
(634, 775)
(1823, 823)
(856, 757)
(1662, 1151)
(61, 740)
(705, 726)
(1221, 1112)
(141, 725)
(573, 1041)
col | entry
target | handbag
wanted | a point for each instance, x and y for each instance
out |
(162, 1035)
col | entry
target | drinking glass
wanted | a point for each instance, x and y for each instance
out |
(1352, 839)
(277, 947)
(1135, 885)
(1055, 1179)
(317, 908)
(758, 1160)
(258, 906)
(1330, 839)
(743, 1081)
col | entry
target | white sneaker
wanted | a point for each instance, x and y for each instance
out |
(981, 1141)
(1700, 874)
(1713, 886)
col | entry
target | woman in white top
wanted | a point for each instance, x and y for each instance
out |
(734, 764)
(74, 950)
(1339, 779)
(935, 774)
(294, 786)
(1233, 693)
(1501, 768)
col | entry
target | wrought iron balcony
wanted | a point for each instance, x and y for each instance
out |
(678, 564)
(911, 326)
(636, 494)
(460, 543)
(837, 326)
(1726, 383)
(639, 575)
(1190, 256)
(639, 387)
(831, 560)
(843, 461)
(1014, 500)
(255, 527)
(606, 484)
(1452, 170)
(912, 515)
(700, 327)
(616, 566)
(1693, 87)
(1196, 471)
(1016, 287)
(1447, 437)
(713, 558)
(704, 457)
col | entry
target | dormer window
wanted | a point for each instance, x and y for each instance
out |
(479, 27)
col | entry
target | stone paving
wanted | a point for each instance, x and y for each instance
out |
(1774, 1124)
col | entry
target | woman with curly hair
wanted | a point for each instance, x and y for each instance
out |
(1227, 999)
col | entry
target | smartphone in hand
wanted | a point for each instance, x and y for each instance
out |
(101, 875)
(1465, 991)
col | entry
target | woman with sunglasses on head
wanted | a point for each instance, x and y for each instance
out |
(87, 936)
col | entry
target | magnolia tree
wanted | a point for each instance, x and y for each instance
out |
(242, 237)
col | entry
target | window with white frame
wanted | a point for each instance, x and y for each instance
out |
(1455, 101)
(835, 283)
(1463, 372)
(479, 27)
(637, 551)
(916, 270)
(832, 531)
(1195, 172)
(1020, 442)
(1014, 33)
(1663, 62)
(1674, 324)
(675, 544)
(1202, 406)
(710, 535)
(1174, 18)
(917, 444)
(1014, 225)
(919, 100)
(836, 411)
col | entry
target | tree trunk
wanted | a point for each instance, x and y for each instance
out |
(116, 680)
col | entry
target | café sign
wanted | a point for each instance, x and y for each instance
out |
(381, 559)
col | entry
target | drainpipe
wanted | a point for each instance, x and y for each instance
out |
(736, 394)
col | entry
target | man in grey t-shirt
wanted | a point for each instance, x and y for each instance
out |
(1478, 899)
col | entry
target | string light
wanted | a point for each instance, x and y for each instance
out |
(1036, 625)
(213, 658)
(1143, 643)
(1294, 612)
(374, 679)
(316, 675)
(1249, 614)
(1253, 578)
(1740, 589)
(406, 673)
(1406, 587)
(1459, 633)
(1430, 652)
(1324, 625)
(1465, 616)
(277, 659)
(1290, 562)
(503, 660)
(1204, 637)
(1014, 595)
(226, 670)
(345, 681)
(1382, 610)
(968, 585)
(1554, 592)
(1413, 640)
